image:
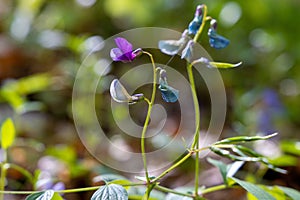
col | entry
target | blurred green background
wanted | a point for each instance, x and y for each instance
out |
(43, 43)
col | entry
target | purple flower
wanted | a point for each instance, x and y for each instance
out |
(124, 52)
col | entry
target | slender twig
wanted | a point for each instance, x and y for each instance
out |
(146, 123)
(214, 188)
(173, 166)
(74, 190)
(196, 139)
(26, 173)
(3, 173)
(168, 190)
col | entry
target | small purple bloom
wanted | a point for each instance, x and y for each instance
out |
(124, 52)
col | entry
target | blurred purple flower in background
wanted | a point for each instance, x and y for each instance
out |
(272, 108)
(50, 168)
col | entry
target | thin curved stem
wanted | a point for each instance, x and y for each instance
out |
(26, 173)
(67, 190)
(203, 23)
(196, 139)
(168, 190)
(214, 188)
(150, 105)
(173, 166)
(3, 173)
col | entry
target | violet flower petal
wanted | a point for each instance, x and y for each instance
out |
(123, 45)
(116, 54)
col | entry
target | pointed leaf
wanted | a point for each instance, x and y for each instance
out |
(108, 178)
(241, 139)
(221, 166)
(274, 191)
(110, 192)
(294, 194)
(234, 167)
(258, 192)
(7, 133)
(44, 195)
(223, 65)
(113, 178)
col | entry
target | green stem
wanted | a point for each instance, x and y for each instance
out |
(3, 173)
(68, 190)
(203, 23)
(196, 139)
(168, 190)
(148, 191)
(214, 188)
(195, 144)
(173, 166)
(150, 105)
(23, 171)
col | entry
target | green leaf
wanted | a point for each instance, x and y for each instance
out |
(221, 166)
(245, 151)
(7, 133)
(285, 161)
(29, 85)
(227, 170)
(110, 192)
(44, 195)
(275, 191)
(291, 147)
(223, 65)
(258, 192)
(294, 194)
(241, 139)
(109, 178)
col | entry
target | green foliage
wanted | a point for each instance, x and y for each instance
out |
(221, 65)
(243, 153)
(44, 195)
(113, 178)
(294, 194)
(291, 147)
(8, 133)
(110, 192)
(265, 38)
(242, 139)
(15, 92)
(226, 170)
(254, 189)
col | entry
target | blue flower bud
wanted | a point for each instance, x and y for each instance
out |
(187, 52)
(197, 21)
(168, 93)
(215, 40)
